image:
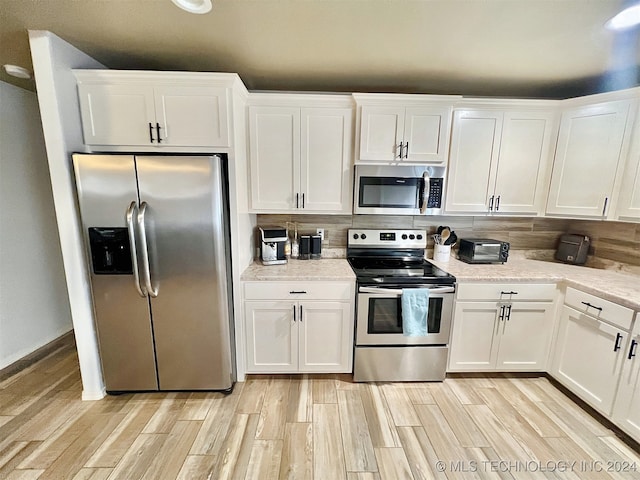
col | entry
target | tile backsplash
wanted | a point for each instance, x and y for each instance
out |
(617, 241)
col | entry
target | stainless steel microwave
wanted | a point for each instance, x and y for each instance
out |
(399, 190)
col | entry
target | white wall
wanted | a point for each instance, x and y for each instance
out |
(34, 308)
(53, 59)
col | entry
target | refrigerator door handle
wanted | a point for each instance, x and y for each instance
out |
(145, 251)
(132, 245)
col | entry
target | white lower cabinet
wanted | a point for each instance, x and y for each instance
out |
(292, 335)
(596, 357)
(499, 332)
(589, 358)
(626, 409)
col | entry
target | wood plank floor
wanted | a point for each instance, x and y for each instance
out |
(321, 427)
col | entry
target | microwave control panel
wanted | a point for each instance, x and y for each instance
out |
(434, 200)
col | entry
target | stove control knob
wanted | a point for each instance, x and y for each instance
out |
(355, 236)
(404, 236)
(363, 236)
(412, 236)
(419, 237)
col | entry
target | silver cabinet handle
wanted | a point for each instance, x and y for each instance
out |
(294, 313)
(146, 269)
(491, 203)
(300, 313)
(497, 203)
(406, 150)
(604, 209)
(132, 245)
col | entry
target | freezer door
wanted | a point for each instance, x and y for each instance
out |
(106, 187)
(184, 220)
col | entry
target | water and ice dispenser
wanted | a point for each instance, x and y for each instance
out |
(110, 251)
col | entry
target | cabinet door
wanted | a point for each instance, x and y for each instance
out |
(192, 116)
(629, 201)
(381, 131)
(272, 337)
(473, 161)
(274, 144)
(326, 337)
(117, 114)
(426, 134)
(325, 166)
(525, 337)
(525, 155)
(474, 340)
(585, 360)
(587, 155)
(626, 412)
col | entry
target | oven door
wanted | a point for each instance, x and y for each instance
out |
(379, 316)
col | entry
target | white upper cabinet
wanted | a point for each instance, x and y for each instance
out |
(499, 160)
(397, 129)
(154, 109)
(589, 153)
(628, 207)
(300, 155)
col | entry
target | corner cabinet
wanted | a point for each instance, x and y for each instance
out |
(299, 327)
(591, 348)
(300, 150)
(589, 154)
(154, 109)
(500, 159)
(626, 410)
(397, 129)
(628, 207)
(502, 327)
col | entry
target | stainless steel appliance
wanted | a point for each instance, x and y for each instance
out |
(573, 249)
(399, 190)
(483, 250)
(386, 262)
(272, 245)
(158, 241)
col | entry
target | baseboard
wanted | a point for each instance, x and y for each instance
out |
(64, 341)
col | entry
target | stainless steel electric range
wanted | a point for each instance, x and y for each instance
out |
(385, 263)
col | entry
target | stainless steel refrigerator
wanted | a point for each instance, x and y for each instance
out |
(156, 231)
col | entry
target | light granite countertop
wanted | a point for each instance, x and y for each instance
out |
(322, 269)
(621, 287)
(611, 283)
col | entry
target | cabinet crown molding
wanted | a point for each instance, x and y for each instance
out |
(143, 77)
(403, 99)
(296, 99)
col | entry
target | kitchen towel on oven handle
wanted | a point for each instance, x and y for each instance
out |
(415, 308)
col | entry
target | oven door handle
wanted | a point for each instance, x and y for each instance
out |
(398, 292)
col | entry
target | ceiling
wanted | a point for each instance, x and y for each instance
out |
(523, 48)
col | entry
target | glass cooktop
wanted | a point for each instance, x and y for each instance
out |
(394, 270)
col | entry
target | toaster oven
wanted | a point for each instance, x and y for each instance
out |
(483, 250)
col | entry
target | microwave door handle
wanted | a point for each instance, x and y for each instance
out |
(426, 187)
(398, 292)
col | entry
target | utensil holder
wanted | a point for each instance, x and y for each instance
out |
(441, 253)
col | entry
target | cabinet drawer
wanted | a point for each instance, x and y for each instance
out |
(298, 291)
(599, 308)
(500, 291)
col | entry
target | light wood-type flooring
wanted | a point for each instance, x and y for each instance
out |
(301, 427)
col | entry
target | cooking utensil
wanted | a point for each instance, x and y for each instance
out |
(446, 232)
(453, 238)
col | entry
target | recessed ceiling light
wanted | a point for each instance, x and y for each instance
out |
(194, 6)
(627, 18)
(16, 71)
